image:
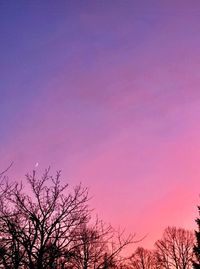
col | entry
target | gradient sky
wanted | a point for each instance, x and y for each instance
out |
(109, 92)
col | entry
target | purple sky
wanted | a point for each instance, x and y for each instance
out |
(109, 92)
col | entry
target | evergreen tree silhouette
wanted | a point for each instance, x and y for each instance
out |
(196, 250)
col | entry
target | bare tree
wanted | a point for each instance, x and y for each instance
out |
(99, 246)
(142, 259)
(45, 225)
(175, 249)
(35, 228)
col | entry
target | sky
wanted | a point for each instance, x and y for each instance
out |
(108, 92)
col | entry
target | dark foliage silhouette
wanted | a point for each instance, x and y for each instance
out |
(196, 249)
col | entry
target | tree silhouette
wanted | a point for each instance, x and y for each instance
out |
(47, 225)
(142, 259)
(98, 246)
(174, 250)
(91, 247)
(36, 227)
(196, 249)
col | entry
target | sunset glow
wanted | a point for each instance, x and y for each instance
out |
(108, 92)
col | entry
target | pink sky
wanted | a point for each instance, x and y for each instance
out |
(109, 93)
